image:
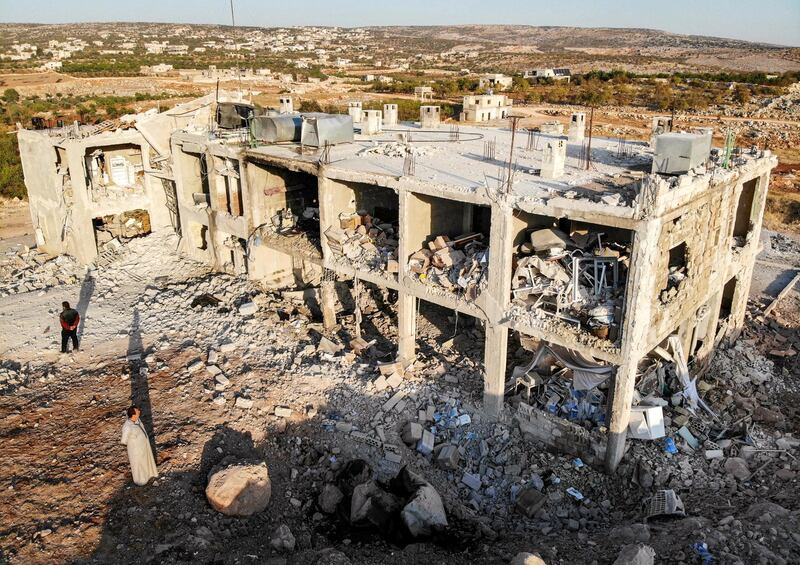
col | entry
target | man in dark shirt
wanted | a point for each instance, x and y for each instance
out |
(69, 327)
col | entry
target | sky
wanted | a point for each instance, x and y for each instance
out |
(768, 21)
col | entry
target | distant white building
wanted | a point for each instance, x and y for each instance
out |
(495, 81)
(555, 74)
(485, 107)
(423, 93)
(158, 69)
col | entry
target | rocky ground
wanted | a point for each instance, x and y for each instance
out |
(226, 373)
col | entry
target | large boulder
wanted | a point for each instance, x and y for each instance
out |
(638, 554)
(424, 513)
(240, 490)
(525, 558)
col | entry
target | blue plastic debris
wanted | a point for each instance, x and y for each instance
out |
(577, 462)
(575, 493)
(669, 445)
(701, 548)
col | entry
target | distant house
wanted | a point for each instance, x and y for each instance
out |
(555, 74)
(495, 82)
(485, 107)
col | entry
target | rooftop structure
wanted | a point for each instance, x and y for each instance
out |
(599, 268)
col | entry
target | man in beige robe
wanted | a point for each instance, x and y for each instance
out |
(143, 464)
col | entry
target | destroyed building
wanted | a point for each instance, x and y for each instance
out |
(601, 272)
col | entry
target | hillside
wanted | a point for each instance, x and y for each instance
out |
(558, 37)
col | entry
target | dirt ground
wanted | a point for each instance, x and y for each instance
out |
(65, 485)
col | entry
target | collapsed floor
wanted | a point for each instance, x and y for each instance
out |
(227, 373)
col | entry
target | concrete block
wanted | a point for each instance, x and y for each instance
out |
(386, 369)
(394, 380)
(412, 433)
(425, 445)
(529, 501)
(448, 457)
(472, 481)
(392, 402)
(380, 383)
(283, 411)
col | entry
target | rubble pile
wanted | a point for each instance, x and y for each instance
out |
(399, 149)
(782, 107)
(289, 230)
(365, 241)
(256, 362)
(125, 225)
(13, 376)
(576, 279)
(458, 266)
(27, 270)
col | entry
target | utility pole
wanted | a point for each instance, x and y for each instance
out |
(589, 145)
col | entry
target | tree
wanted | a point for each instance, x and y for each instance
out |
(310, 106)
(741, 94)
(593, 93)
(10, 95)
(662, 96)
(11, 178)
(520, 85)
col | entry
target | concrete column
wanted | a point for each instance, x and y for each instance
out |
(495, 299)
(154, 189)
(406, 326)
(495, 355)
(328, 298)
(641, 296)
(406, 302)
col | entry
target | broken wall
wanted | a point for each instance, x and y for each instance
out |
(48, 203)
(699, 257)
